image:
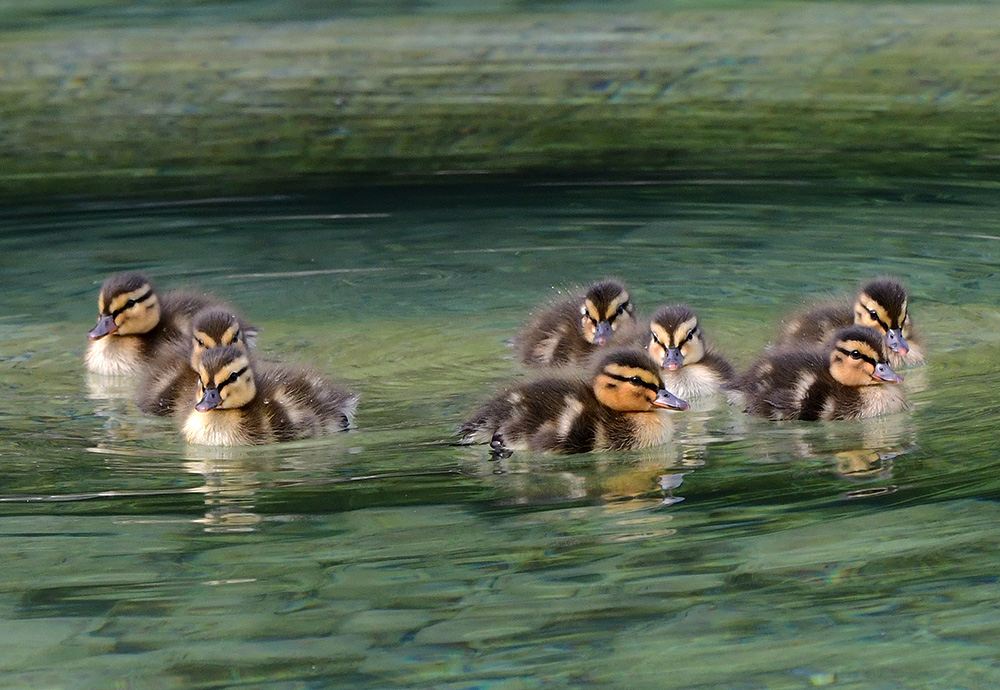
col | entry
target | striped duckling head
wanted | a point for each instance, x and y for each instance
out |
(628, 380)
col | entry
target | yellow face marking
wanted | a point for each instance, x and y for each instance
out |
(626, 389)
(865, 307)
(627, 372)
(120, 301)
(852, 370)
(590, 309)
(233, 380)
(203, 339)
(615, 304)
(683, 330)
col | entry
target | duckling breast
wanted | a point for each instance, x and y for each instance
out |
(115, 355)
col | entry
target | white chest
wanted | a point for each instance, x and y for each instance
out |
(692, 381)
(216, 428)
(114, 356)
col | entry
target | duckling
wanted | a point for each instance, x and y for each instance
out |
(240, 402)
(173, 373)
(881, 304)
(844, 380)
(572, 330)
(615, 410)
(689, 367)
(134, 323)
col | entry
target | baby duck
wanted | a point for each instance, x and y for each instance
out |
(881, 304)
(573, 329)
(844, 380)
(173, 374)
(689, 367)
(241, 403)
(615, 410)
(134, 323)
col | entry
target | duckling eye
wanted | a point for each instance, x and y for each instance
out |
(231, 378)
(636, 381)
(201, 343)
(872, 313)
(855, 354)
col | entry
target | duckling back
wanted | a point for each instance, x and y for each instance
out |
(566, 413)
(881, 304)
(135, 323)
(572, 330)
(242, 402)
(848, 378)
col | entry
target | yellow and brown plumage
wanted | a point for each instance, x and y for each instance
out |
(173, 373)
(616, 408)
(881, 304)
(135, 323)
(689, 366)
(849, 378)
(240, 402)
(574, 329)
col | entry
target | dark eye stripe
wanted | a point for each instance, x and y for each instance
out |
(634, 380)
(231, 379)
(863, 356)
(874, 315)
(131, 303)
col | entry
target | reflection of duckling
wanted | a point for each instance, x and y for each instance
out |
(844, 381)
(881, 304)
(173, 374)
(134, 323)
(571, 330)
(689, 366)
(243, 405)
(614, 411)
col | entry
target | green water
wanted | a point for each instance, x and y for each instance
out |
(853, 554)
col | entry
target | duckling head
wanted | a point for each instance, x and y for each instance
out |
(675, 338)
(213, 328)
(628, 380)
(605, 308)
(859, 358)
(126, 305)
(882, 305)
(225, 379)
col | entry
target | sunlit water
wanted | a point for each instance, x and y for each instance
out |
(745, 554)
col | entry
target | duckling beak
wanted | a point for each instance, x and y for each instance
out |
(105, 325)
(209, 401)
(896, 341)
(883, 372)
(673, 359)
(603, 333)
(669, 401)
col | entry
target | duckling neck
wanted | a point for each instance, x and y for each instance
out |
(217, 428)
(116, 355)
(622, 430)
(883, 399)
(692, 381)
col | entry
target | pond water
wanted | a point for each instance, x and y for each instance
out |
(744, 554)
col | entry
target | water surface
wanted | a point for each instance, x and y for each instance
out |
(853, 554)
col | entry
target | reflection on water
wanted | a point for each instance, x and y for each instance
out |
(857, 554)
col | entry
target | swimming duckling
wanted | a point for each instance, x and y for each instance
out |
(844, 380)
(173, 373)
(881, 304)
(134, 322)
(689, 367)
(239, 402)
(615, 410)
(573, 329)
